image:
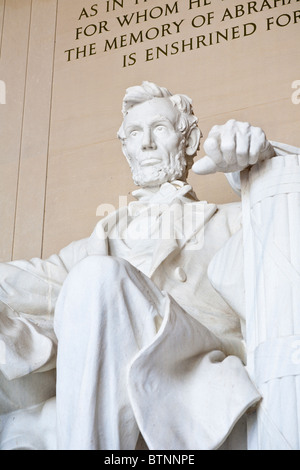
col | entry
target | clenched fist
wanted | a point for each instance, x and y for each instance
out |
(233, 147)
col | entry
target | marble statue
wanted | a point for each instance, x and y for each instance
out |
(139, 330)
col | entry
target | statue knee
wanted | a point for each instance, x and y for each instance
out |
(90, 280)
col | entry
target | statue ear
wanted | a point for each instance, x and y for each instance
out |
(193, 142)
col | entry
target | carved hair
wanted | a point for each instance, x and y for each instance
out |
(148, 91)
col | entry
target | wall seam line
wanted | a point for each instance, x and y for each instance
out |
(49, 132)
(21, 137)
(2, 27)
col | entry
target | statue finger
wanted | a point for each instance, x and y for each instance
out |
(257, 144)
(243, 146)
(212, 148)
(228, 146)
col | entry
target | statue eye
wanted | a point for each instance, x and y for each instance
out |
(160, 128)
(134, 133)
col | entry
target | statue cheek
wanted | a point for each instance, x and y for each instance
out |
(130, 150)
(134, 147)
(175, 141)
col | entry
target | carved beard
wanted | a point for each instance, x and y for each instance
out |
(176, 169)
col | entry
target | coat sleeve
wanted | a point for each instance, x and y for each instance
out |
(197, 392)
(28, 294)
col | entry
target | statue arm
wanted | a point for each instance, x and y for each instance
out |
(28, 295)
(32, 287)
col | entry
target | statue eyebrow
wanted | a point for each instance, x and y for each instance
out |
(133, 125)
(160, 118)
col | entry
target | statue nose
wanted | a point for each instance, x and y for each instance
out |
(150, 146)
(148, 142)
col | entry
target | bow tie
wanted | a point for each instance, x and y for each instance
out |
(166, 193)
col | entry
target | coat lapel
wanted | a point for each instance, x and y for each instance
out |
(186, 222)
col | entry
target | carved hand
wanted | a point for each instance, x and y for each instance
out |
(233, 147)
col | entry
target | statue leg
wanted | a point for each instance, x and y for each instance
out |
(106, 313)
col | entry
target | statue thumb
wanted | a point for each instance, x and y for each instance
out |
(204, 166)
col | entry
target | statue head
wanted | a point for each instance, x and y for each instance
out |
(160, 134)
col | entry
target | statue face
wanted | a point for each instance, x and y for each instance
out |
(153, 146)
